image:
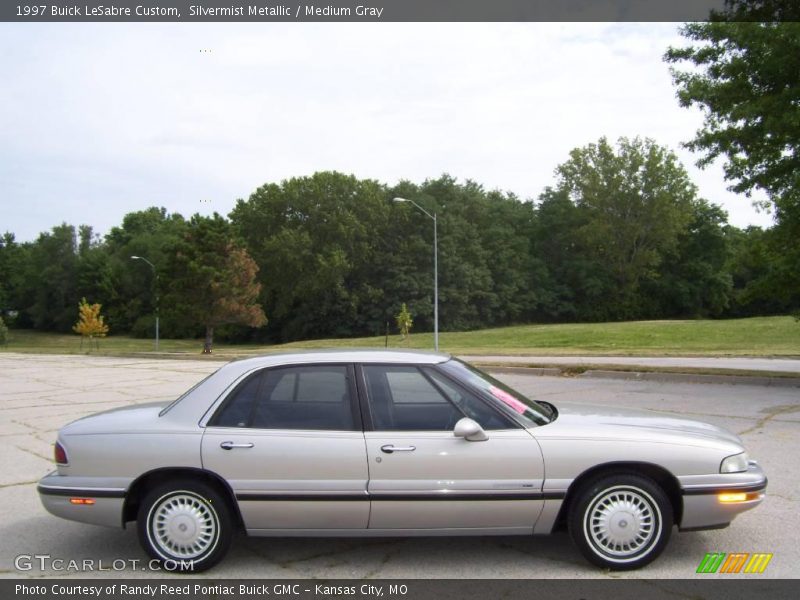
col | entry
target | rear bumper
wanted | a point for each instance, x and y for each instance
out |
(57, 494)
(702, 504)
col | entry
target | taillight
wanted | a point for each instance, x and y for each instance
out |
(60, 455)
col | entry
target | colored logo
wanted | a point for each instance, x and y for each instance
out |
(735, 562)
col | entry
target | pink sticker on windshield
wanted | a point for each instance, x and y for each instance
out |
(508, 399)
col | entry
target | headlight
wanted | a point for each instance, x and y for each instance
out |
(734, 464)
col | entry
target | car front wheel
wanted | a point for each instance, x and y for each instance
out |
(185, 525)
(621, 521)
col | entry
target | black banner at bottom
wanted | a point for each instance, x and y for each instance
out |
(734, 588)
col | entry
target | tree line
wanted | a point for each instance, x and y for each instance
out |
(623, 234)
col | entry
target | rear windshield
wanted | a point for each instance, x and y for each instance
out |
(167, 408)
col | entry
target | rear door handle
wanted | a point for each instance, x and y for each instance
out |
(388, 448)
(231, 445)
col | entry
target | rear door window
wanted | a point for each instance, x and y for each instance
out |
(305, 397)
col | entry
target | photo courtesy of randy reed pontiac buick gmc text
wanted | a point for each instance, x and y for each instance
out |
(206, 590)
(263, 589)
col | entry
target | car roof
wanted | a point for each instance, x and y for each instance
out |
(194, 403)
(354, 355)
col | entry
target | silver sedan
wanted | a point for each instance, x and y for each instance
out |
(381, 443)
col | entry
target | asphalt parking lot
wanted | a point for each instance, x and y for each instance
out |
(38, 394)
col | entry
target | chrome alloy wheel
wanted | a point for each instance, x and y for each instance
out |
(623, 523)
(182, 525)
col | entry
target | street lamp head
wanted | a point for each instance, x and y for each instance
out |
(136, 257)
(400, 200)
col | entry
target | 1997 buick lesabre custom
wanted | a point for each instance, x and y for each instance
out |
(371, 443)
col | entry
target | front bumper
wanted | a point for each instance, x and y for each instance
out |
(58, 493)
(702, 507)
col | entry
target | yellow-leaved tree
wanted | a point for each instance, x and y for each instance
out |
(90, 323)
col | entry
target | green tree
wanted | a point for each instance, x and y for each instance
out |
(744, 73)
(517, 286)
(17, 281)
(576, 283)
(213, 279)
(759, 277)
(44, 279)
(404, 321)
(484, 248)
(694, 278)
(335, 252)
(320, 243)
(94, 276)
(11, 271)
(745, 76)
(52, 279)
(635, 199)
(130, 291)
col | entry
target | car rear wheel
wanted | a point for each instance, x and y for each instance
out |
(621, 521)
(185, 525)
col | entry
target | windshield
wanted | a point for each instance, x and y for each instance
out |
(529, 410)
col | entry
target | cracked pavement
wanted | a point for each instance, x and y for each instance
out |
(39, 394)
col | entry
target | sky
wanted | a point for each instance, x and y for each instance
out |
(98, 120)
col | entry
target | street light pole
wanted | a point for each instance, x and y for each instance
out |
(435, 285)
(155, 289)
(435, 271)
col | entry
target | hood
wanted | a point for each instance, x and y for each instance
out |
(135, 417)
(586, 421)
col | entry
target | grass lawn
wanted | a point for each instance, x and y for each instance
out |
(26, 340)
(758, 336)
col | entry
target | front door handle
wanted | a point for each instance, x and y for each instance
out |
(388, 448)
(231, 445)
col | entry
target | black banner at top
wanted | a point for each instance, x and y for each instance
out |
(356, 10)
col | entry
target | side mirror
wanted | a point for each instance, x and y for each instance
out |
(470, 431)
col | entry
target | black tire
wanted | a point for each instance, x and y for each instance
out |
(621, 521)
(185, 525)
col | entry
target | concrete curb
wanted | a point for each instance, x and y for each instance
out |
(782, 382)
(542, 371)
